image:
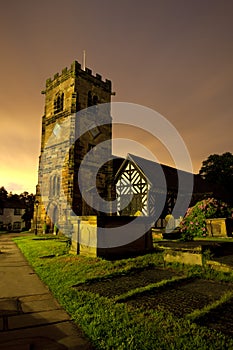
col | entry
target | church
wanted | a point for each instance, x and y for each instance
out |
(73, 127)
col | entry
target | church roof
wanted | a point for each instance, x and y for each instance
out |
(156, 173)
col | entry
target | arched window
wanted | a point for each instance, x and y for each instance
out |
(51, 186)
(58, 186)
(59, 102)
(54, 186)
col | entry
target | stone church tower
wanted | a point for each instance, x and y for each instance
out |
(64, 145)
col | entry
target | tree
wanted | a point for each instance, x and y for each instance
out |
(218, 170)
(13, 196)
(3, 193)
(28, 200)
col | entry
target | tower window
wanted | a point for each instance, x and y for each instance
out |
(78, 106)
(59, 103)
(92, 101)
(95, 100)
(89, 99)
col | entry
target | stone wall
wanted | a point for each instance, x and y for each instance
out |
(89, 238)
(67, 94)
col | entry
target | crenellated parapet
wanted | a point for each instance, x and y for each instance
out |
(76, 71)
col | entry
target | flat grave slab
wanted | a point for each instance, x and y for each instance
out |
(183, 297)
(117, 285)
(220, 318)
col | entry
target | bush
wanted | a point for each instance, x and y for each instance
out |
(194, 222)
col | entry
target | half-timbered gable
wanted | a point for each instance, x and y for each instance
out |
(135, 188)
(132, 190)
(142, 185)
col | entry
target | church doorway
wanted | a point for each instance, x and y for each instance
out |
(52, 217)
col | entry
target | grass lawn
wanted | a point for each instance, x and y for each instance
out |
(110, 322)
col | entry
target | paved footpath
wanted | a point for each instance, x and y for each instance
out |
(30, 317)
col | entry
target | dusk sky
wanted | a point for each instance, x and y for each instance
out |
(174, 56)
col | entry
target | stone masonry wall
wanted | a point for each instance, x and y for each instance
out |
(65, 95)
